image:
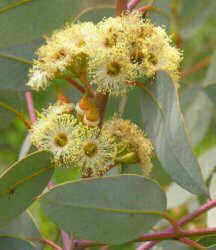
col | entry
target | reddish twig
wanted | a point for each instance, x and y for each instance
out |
(147, 246)
(30, 105)
(67, 241)
(47, 242)
(196, 213)
(75, 84)
(183, 221)
(132, 4)
(172, 235)
(88, 87)
(154, 236)
(198, 66)
(121, 6)
(146, 8)
(192, 243)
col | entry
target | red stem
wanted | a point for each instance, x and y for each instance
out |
(132, 4)
(30, 105)
(182, 222)
(121, 6)
(145, 8)
(47, 242)
(192, 243)
(154, 236)
(75, 84)
(67, 242)
(173, 235)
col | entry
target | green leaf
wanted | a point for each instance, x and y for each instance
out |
(161, 15)
(197, 107)
(194, 14)
(210, 90)
(159, 174)
(32, 19)
(208, 241)
(47, 228)
(188, 95)
(22, 183)
(208, 162)
(22, 226)
(210, 80)
(211, 73)
(11, 243)
(197, 114)
(164, 124)
(15, 63)
(66, 174)
(113, 210)
(132, 109)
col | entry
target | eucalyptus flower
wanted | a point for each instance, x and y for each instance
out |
(132, 144)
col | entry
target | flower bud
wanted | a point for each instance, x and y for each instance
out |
(129, 158)
(91, 118)
(84, 105)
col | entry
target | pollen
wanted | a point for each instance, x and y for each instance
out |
(61, 140)
(113, 69)
(90, 149)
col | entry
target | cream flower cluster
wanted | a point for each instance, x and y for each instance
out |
(94, 150)
(111, 54)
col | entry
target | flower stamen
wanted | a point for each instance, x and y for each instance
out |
(61, 140)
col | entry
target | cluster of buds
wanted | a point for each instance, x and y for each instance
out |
(110, 55)
(64, 132)
(88, 111)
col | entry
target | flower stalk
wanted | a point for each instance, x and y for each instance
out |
(30, 106)
(132, 4)
(121, 6)
(75, 84)
(184, 220)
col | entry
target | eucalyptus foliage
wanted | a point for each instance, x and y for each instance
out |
(98, 162)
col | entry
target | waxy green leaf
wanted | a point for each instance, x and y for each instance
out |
(164, 124)
(23, 227)
(11, 243)
(33, 19)
(113, 209)
(22, 183)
